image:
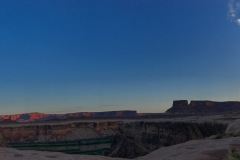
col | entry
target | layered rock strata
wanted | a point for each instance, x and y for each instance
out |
(78, 138)
(60, 132)
(140, 138)
(203, 107)
(35, 116)
(117, 138)
(217, 149)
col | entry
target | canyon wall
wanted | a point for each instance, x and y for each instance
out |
(116, 138)
(35, 116)
(203, 107)
(78, 138)
(140, 138)
(59, 132)
(3, 142)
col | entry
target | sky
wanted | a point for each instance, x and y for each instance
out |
(59, 56)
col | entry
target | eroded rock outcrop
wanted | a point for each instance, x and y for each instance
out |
(140, 138)
(59, 132)
(127, 139)
(203, 107)
(233, 128)
(71, 137)
(217, 149)
(3, 142)
(36, 116)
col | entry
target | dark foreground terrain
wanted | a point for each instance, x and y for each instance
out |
(173, 135)
(124, 138)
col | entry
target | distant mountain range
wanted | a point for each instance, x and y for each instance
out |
(36, 116)
(178, 107)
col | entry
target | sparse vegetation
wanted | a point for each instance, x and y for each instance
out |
(233, 154)
(219, 136)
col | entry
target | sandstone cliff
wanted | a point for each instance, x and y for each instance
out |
(73, 138)
(3, 142)
(128, 139)
(193, 150)
(203, 107)
(140, 138)
(60, 132)
(35, 116)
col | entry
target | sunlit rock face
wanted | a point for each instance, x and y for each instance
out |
(203, 107)
(59, 132)
(35, 116)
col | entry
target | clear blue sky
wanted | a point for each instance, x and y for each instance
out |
(61, 56)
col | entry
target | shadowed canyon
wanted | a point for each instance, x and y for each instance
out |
(129, 135)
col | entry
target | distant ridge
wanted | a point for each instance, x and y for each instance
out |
(203, 107)
(36, 116)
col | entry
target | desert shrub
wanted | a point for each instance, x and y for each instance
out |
(233, 154)
(219, 136)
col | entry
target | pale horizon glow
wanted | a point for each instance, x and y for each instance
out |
(86, 56)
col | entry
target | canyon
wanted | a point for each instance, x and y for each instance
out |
(123, 134)
(183, 138)
(207, 149)
(126, 138)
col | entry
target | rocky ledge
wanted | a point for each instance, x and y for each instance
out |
(192, 150)
(127, 139)
(140, 135)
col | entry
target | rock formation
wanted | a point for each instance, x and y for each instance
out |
(127, 139)
(77, 137)
(234, 128)
(59, 132)
(35, 116)
(216, 149)
(3, 142)
(140, 138)
(203, 107)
